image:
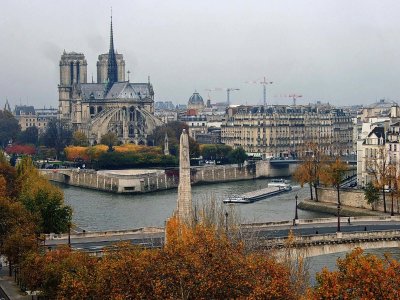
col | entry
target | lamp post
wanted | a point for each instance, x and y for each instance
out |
(69, 234)
(296, 215)
(338, 217)
(392, 209)
(226, 222)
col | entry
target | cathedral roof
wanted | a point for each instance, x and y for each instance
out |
(119, 90)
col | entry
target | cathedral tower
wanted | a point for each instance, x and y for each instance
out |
(73, 71)
(102, 67)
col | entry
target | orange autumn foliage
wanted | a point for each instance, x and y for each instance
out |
(93, 153)
(359, 276)
(196, 263)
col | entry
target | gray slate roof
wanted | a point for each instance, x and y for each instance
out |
(119, 90)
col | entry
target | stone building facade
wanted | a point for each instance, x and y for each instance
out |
(283, 131)
(28, 116)
(110, 105)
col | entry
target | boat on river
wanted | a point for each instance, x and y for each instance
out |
(236, 199)
(257, 195)
(281, 183)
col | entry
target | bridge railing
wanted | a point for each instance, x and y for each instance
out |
(338, 238)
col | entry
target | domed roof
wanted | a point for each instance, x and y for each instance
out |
(196, 99)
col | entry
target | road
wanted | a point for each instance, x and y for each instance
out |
(154, 240)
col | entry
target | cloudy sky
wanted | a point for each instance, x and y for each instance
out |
(342, 51)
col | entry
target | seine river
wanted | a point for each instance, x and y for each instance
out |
(94, 210)
(98, 211)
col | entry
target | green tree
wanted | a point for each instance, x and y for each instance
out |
(371, 193)
(9, 128)
(173, 130)
(109, 139)
(194, 148)
(57, 136)
(80, 139)
(238, 156)
(211, 152)
(29, 136)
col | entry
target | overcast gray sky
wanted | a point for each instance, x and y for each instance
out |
(345, 52)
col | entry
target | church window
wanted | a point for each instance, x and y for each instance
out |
(99, 109)
(92, 110)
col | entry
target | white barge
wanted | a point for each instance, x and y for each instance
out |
(257, 195)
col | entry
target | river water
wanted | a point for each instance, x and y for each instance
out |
(98, 211)
(95, 210)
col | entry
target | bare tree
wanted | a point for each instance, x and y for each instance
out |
(378, 167)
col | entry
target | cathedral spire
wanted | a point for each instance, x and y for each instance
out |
(112, 70)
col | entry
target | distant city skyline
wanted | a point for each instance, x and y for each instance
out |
(341, 52)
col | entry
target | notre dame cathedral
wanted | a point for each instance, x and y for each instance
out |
(110, 105)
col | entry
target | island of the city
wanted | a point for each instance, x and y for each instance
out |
(116, 189)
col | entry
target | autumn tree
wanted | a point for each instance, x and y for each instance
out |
(309, 170)
(359, 276)
(42, 199)
(305, 174)
(333, 174)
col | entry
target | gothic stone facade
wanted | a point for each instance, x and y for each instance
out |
(110, 105)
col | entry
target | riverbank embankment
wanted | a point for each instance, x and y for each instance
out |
(331, 208)
(150, 180)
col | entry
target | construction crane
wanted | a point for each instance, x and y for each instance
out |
(228, 93)
(264, 82)
(292, 96)
(212, 90)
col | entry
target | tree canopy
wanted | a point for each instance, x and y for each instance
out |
(359, 276)
(9, 128)
(57, 136)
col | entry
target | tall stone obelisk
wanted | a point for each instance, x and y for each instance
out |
(184, 205)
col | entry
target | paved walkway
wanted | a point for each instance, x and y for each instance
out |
(9, 287)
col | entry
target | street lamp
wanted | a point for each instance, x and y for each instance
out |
(69, 234)
(226, 222)
(338, 217)
(296, 215)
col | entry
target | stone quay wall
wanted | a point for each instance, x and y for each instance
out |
(142, 181)
(355, 198)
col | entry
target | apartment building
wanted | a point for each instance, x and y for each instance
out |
(284, 131)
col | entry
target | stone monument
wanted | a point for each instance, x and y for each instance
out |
(184, 205)
(166, 146)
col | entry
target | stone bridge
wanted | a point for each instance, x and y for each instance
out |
(315, 245)
(267, 236)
